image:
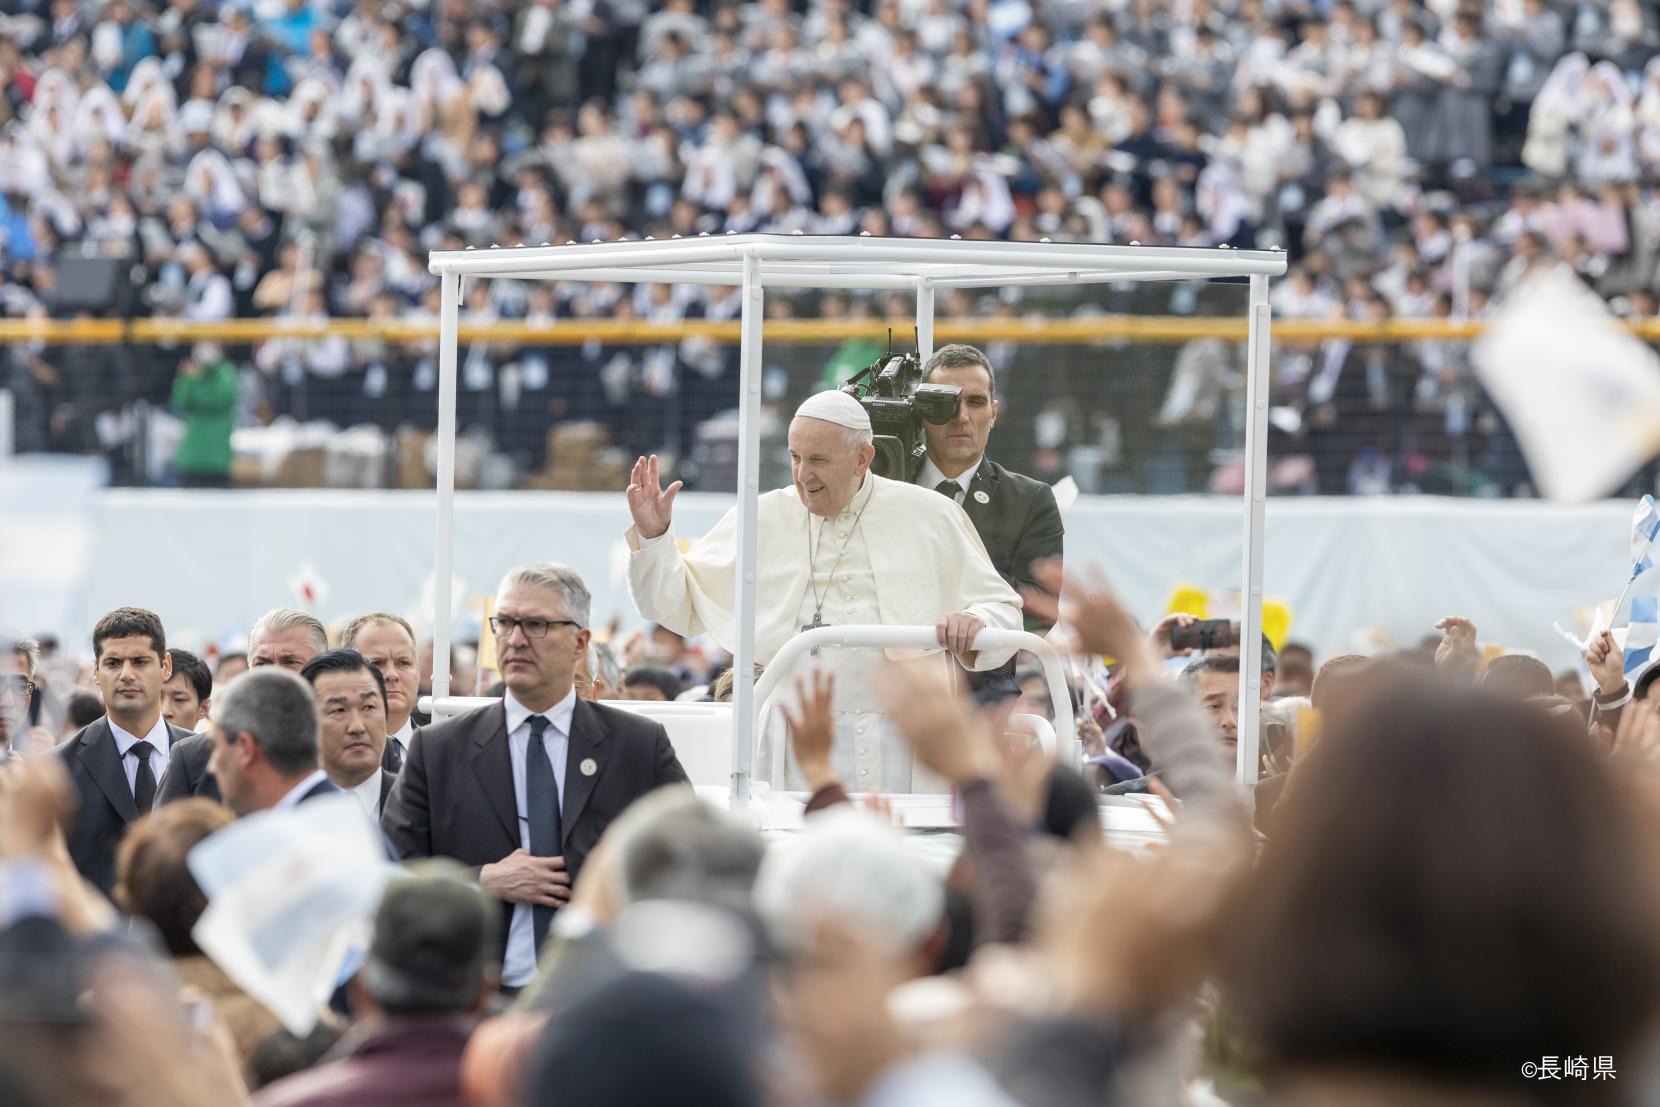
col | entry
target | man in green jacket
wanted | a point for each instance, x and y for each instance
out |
(204, 395)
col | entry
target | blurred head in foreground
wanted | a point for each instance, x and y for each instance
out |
(1425, 931)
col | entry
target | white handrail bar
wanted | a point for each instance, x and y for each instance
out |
(452, 705)
(1040, 727)
(920, 638)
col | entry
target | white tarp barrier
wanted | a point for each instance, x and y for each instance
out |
(209, 562)
(47, 536)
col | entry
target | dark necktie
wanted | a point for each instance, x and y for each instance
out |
(948, 488)
(144, 786)
(542, 809)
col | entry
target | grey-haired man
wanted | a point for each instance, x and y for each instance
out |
(521, 790)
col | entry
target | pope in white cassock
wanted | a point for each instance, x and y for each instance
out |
(841, 546)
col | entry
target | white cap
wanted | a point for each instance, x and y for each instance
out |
(835, 407)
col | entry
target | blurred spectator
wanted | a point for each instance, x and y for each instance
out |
(231, 666)
(205, 396)
(84, 708)
(429, 973)
(287, 638)
(265, 744)
(17, 693)
(650, 682)
(1430, 1012)
(1295, 673)
(187, 695)
(153, 883)
(300, 159)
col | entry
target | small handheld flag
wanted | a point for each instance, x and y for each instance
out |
(1641, 632)
(1644, 527)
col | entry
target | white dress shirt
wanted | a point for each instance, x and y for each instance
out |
(519, 964)
(368, 793)
(159, 737)
(292, 799)
(931, 476)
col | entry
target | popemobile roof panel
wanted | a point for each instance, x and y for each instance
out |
(830, 261)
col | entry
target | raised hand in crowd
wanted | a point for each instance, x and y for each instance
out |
(36, 800)
(813, 728)
(1127, 936)
(649, 502)
(947, 738)
(1097, 623)
(1457, 651)
(1159, 639)
(1606, 662)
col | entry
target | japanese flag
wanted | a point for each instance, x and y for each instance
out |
(309, 588)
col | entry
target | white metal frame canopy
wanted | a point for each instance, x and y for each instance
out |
(760, 261)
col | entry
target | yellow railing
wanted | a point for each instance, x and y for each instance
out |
(1064, 331)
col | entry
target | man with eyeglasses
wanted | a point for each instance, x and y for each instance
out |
(18, 665)
(521, 790)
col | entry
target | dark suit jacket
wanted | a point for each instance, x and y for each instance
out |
(455, 797)
(392, 760)
(1020, 523)
(105, 806)
(318, 791)
(187, 771)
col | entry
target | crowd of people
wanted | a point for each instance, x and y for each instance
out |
(298, 158)
(1371, 937)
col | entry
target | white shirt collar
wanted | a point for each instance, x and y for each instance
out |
(559, 715)
(369, 793)
(292, 799)
(867, 489)
(405, 733)
(931, 476)
(159, 737)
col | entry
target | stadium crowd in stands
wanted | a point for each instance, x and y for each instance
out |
(1382, 938)
(300, 157)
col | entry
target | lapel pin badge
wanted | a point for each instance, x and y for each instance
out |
(980, 497)
(589, 766)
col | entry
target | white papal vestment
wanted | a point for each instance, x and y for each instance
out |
(899, 555)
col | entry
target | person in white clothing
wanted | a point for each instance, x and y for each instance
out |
(841, 546)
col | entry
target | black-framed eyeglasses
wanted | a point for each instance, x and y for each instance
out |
(17, 686)
(533, 628)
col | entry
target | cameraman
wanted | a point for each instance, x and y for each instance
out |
(1017, 517)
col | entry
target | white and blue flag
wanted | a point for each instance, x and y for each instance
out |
(1641, 632)
(1644, 527)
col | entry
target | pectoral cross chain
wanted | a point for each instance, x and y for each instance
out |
(818, 621)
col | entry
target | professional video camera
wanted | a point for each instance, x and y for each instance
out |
(898, 403)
